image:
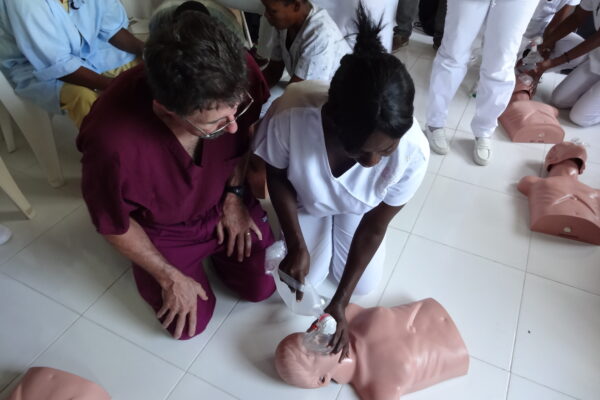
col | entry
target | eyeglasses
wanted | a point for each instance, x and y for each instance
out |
(220, 131)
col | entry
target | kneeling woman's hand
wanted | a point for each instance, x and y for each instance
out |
(296, 264)
(340, 342)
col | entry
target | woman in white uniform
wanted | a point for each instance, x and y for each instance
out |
(341, 162)
(580, 90)
(308, 44)
(547, 16)
(503, 23)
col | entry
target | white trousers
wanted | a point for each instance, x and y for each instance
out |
(328, 240)
(503, 23)
(580, 91)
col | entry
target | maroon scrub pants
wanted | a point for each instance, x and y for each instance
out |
(186, 250)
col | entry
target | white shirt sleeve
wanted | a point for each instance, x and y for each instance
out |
(573, 2)
(316, 58)
(401, 192)
(272, 139)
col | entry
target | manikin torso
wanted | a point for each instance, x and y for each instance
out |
(42, 383)
(561, 205)
(526, 120)
(393, 351)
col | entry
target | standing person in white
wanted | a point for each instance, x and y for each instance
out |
(580, 90)
(503, 23)
(341, 163)
(547, 16)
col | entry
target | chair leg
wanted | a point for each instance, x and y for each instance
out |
(37, 129)
(9, 185)
(6, 128)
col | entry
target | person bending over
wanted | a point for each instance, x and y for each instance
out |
(341, 162)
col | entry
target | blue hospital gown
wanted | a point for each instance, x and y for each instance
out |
(40, 42)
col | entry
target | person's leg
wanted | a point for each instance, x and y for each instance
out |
(317, 232)
(405, 16)
(248, 278)
(464, 19)
(440, 16)
(344, 227)
(503, 33)
(113, 73)
(566, 94)
(76, 101)
(187, 257)
(586, 111)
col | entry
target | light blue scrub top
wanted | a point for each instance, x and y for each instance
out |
(40, 42)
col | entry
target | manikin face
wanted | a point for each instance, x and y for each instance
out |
(302, 368)
(279, 15)
(377, 146)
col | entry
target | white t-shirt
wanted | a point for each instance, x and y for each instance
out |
(291, 136)
(543, 15)
(594, 55)
(316, 50)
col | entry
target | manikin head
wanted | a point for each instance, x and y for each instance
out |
(370, 103)
(563, 152)
(300, 367)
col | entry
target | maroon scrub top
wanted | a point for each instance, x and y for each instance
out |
(134, 166)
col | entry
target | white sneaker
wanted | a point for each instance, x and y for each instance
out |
(437, 140)
(482, 152)
(5, 234)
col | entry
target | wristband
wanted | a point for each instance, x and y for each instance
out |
(237, 190)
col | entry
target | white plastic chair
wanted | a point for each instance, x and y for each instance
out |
(36, 126)
(8, 184)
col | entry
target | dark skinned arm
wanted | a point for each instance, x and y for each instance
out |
(124, 40)
(366, 241)
(558, 18)
(87, 78)
(570, 24)
(273, 72)
(589, 44)
(283, 197)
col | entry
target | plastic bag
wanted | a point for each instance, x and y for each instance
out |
(312, 303)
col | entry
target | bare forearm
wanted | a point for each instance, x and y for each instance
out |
(585, 47)
(87, 78)
(283, 198)
(124, 40)
(558, 18)
(136, 246)
(571, 23)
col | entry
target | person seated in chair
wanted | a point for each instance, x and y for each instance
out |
(60, 54)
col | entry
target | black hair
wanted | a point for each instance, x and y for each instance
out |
(190, 6)
(193, 62)
(371, 90)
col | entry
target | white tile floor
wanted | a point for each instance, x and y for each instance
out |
(528, 305)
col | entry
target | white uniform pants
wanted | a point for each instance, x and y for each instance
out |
(580, 91)
(328, 240)
(503, 23)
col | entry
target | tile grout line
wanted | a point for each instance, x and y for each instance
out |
(514, 341)
(36, 237)
(423, 204)
(210, 338)
(545, 386)
(393, 269)
(469, 253)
